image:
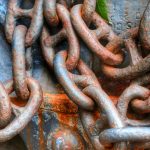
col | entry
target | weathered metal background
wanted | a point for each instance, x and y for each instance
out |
(124, 14)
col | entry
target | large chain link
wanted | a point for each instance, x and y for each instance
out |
(24, 85)
(78, 80)
(14, 12)
(25, 114)
(67, 32)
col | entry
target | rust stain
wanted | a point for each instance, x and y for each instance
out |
(18, 102)
(59, 103)
(68, 119)
(42, 145)
(28, 131)
(53, 102)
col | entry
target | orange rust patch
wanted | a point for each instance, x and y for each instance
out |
(68, 119)
(59, 103)
(42, 144)
(18, 102)
(53, 102)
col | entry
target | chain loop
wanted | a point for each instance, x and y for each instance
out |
(91, 88)
(14, 12)
(92, 37)
(5, 107)
(135, 90)
(50, 12)
(48, 41)
(18, 124)
(19, 64)
(88, 8)
(133, 70)
(72, 90)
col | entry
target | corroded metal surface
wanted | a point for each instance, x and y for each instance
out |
(125, 14)
(82, 127)
(67, 32)
(36, 14)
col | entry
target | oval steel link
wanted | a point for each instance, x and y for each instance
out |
(5, 107)
(19, 64)
(48, 42)
(50, 12)
(14, 12)
(20, 122)
(133, 70)
(92, 37)
(91, 88)
(72, 90)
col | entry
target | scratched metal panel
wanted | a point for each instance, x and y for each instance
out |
(125, 14)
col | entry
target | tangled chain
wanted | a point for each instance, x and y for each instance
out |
(116, 128)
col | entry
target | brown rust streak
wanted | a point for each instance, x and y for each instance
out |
(41, 132)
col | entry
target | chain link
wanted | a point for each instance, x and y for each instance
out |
(78, 80)
(141, 65)
(14, 12)
(48, 42)
(92, 37)
(26, 113)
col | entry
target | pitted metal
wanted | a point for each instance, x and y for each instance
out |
(5, 107)
(91, 88)
(19, 62)
(50, 12)
(24, 114)
(93, 117)
(14, 12)
(49, 42)
(92, 37)
(140, 66)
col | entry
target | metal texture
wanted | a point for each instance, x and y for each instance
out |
(106, 54)
(134, 69)
(5, 107)
(91, 88)
(19, 67)
(36, 15)
(65, 138)
(48, 42)
(88, 119)
(26, 113)
(145, 28)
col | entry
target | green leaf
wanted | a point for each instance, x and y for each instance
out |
(102, 10)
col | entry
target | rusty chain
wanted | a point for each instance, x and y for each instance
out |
(14, 12)
(23, 84)
(24, 114)
(49, 42)
(92, 37)
(115, 126)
